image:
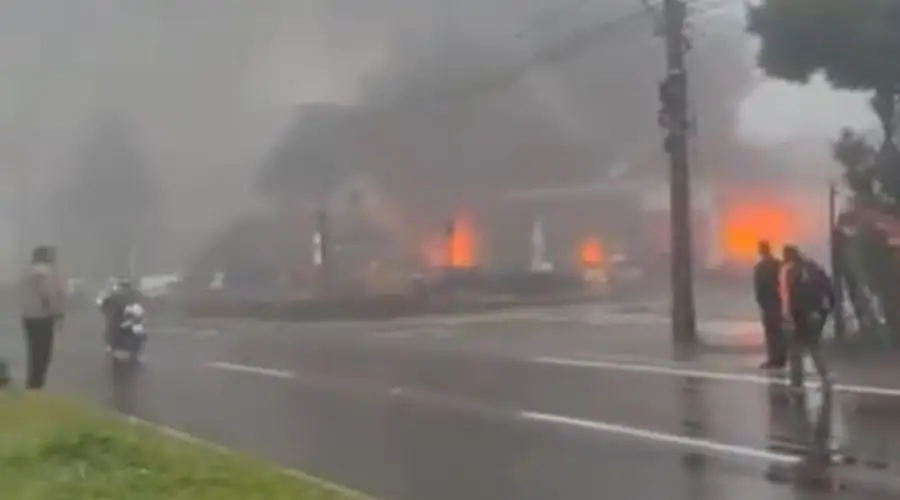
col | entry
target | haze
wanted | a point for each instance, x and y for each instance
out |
(210, 86)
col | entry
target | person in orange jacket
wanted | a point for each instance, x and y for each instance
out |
(807, 299)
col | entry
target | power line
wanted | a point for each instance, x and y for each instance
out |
(555, 14)
(575, 42)
(704, 10)
(578, 40)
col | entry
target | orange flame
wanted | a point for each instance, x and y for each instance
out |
(455, 250)
(745, 225)
(591, 252)
(461, 246)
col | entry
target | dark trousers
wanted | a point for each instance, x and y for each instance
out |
(806, 339)
(776, 342)
(39, 334)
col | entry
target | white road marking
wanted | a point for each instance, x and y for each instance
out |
(433, 332)
(255, 370)
(627, 319)
(650, 369)
(471, 406)
(181, 330)
(660, 437)
(487, 317)
(396, 334)
(444, 333)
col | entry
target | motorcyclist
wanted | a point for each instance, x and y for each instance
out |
(114, 305)
(111, 285)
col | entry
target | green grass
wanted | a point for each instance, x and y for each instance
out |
(54, 449)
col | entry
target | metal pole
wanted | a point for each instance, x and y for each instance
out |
(450, 243)
(836, 248)
(132, 262)
(673, 93)
(21, 199)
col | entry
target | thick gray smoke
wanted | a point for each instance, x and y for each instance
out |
(193, 78)
(471, 100)
(476, 97)
(209, 86)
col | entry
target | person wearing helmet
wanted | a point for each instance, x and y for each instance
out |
(114, 307)
(112, 285)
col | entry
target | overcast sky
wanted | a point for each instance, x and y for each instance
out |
(778, 112)
(209, 83)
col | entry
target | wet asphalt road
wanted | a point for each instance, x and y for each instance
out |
(490, 407)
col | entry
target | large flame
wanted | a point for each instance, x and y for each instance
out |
(744, 225)
(455, 250)
(461, 244)
(591, 252)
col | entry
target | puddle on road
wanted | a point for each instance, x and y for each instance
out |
(833, 438)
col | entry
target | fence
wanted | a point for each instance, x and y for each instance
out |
(870, 247)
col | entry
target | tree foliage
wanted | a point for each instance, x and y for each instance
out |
(111, 200)
(854, 43)
(857, 155)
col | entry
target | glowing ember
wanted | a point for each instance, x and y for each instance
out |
(744, 226)
(591, 252)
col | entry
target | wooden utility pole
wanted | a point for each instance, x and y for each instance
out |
(674, 118)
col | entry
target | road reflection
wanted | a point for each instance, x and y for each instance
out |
(123, 379)
(694, 424)
(804, 423)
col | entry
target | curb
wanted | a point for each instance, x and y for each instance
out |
(11, 388)
(460, 308)
(190, 438)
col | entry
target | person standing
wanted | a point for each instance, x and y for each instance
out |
(42, 299)
(807, 297)
(765, 284)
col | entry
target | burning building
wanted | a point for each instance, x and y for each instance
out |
(494, 154)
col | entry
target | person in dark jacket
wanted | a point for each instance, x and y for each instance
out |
(765, 284)
(113, 305)
(807, 298)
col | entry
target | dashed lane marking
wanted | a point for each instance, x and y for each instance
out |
(254, 370)
(469, 406)
(652, 369)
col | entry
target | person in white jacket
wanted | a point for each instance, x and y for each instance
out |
(42, 298)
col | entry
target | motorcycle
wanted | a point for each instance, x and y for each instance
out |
(129, 335)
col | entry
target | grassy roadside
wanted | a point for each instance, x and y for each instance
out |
(54, 449)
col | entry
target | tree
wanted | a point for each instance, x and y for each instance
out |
(111, 201)
(857, 155)
(854, 43)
